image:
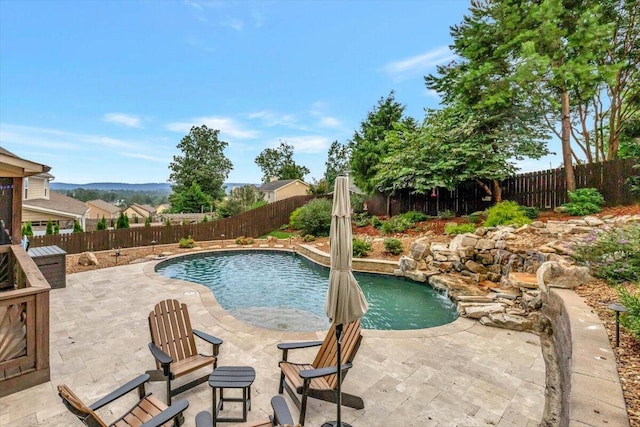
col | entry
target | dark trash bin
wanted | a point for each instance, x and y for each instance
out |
(51, 260)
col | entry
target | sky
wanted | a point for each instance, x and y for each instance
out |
(103, 91)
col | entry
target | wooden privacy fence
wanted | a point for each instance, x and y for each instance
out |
(253, 223)
(543, 190)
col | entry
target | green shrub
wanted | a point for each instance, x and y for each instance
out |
(631, 319)
(228, 207)
(49, 228)
(205, 219)
(187, 243)
(309, 238)
(27, 229)
(361, 219)
(147, 221)
(361, 248)
(167, 222)
(506, 213)
(375, 221)
(123, 221)
(393, 246)
(257, 204)
(77, 228)
(447, 214)
(244, 241)
(102, 224)
(56, 229)
(453, 228)
(357, 203)
(584, 201)
(474, 218)
(294, 223)
(613, 255)
(395, 224)
(530, 212)
(414, 216)
(315, 218)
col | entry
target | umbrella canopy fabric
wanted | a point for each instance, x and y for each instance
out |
(345, 301)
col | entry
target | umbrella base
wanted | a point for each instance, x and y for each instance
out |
(335, 424)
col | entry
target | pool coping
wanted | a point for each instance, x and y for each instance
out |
(215, 309)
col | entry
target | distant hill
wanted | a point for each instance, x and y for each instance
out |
(106, 186)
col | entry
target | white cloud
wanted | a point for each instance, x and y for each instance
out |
(272, 118)
(307, 144)
(146, 157)
(418, 65)
(123, 119)
(329, 122)
(225, 125)
(234, 23)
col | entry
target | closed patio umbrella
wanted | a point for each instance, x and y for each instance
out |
(345, 301)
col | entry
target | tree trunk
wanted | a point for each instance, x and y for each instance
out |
(566, 143)
(497, 191)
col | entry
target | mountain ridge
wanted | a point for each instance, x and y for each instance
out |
(151, 186)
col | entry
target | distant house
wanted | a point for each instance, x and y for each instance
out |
(283, 189)
(99, 209)
(40, 204)
(139, 213)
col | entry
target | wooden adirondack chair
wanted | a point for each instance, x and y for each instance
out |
(149, 411)
(318, 379)
(174, 347)
(281, 417)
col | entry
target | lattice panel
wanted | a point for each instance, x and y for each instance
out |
(5, 275)
(13, 331)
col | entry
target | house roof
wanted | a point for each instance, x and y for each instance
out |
(140, 208)
(105, 206)
(276, 185)
(12, 166)
(58, 202)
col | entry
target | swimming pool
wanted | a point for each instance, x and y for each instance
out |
(285, 291)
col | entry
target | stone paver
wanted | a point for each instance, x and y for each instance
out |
(461, 374)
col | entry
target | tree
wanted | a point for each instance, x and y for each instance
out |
(368, 146)
(320, 186)
(245, 196)
(278, 163)
(202, 161)
(123, 221)
(190, 200)
(49, 229)
(77, 228)
(337, 162)
(102, 224)
(543, 55)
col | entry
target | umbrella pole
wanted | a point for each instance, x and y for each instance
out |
(338, 422)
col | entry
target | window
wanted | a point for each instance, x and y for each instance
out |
(26, 188)
(46, 188)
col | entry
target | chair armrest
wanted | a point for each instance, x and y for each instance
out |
(168, 414)
(203, 419)
(286, 346)
(120, 391)
(294, 345)
(163, 358)
(210, 339)
(321, 372)
(281, 414)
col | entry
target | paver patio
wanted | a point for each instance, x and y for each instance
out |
(461, 374)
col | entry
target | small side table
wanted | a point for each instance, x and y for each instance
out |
(231, 377)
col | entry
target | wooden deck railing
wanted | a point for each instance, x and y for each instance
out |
(24, 322)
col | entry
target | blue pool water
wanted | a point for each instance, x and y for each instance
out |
(284, 291)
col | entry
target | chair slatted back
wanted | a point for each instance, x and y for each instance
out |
(170, 329)
(328, 354)
(78, 408)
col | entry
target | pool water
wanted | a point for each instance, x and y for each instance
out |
(285, 291)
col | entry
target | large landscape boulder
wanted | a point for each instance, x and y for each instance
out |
(88, 258)
(560, 275)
